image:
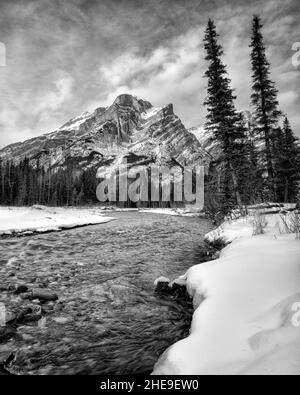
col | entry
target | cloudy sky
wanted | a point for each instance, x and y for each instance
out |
(65, 57)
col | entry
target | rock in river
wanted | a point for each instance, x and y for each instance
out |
(7, 318)
(29, 314)
(44, 295)
(6, 333)
(20, 289)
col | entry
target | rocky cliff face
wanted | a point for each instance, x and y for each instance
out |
(206, 140)
(130, 128)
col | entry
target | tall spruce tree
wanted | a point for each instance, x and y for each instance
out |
(265, 103)
(287, 163)
(223, 119)
(248, 168)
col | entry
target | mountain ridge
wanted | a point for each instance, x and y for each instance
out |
(129, 127)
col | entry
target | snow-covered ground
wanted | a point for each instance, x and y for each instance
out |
(183, 212)
(228, 230)
(15, 220)
(171, 211)
(247, 306)
(244, 226)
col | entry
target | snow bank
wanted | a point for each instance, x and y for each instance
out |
(162, 211)
(172, 211)
(244, 226)
(15, 220)
(231, 230)
(245, 317)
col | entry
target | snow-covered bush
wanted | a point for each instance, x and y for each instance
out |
(259, 223)
(292, 223)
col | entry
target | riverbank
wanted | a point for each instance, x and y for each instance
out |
(245, 319)
(188, 211)
(26, 221)
(16, 221)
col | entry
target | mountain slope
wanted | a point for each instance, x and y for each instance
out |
(130, 128)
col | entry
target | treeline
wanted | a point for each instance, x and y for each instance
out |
(25, 184)
(259, 161)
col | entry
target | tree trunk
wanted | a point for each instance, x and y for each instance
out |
(286, 191)
(237, 193)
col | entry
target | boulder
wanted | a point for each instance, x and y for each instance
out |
(162, 285)
(6, 357)
(177, 288)
(6, 333)
(20, 289)
(180, 291)
(30, 313)
(44, 295)
(10, 317)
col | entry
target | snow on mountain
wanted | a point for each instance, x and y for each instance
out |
(206, 140)
(130, 128)
(75, 123)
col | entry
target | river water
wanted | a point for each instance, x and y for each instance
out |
(108, 319)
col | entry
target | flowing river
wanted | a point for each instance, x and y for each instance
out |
(108, 318)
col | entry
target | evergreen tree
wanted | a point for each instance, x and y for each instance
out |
(287, 163)
(223, 119)
(265, 103)
(248, 171)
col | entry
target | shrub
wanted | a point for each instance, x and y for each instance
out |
(259, 223)
(291, 223)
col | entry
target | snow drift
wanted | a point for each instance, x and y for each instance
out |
(245, 306)
(39, 219)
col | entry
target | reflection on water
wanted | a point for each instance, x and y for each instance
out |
(108, 318)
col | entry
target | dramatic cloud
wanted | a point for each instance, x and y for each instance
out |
(68, 56)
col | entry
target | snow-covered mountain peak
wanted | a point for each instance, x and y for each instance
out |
(131, 128)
